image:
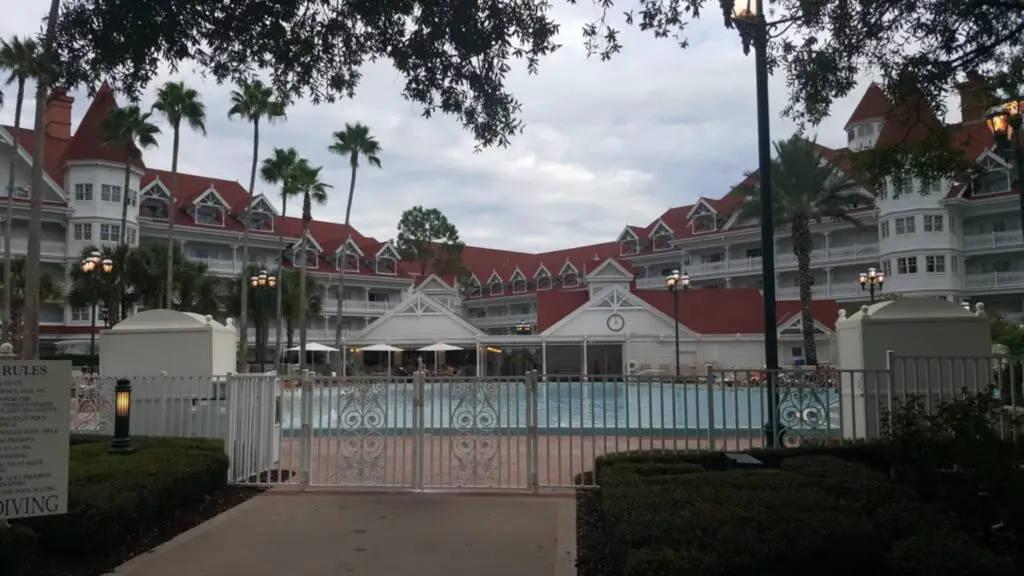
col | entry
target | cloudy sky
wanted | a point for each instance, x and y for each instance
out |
(606, 143)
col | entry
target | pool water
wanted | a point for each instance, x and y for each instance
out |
(561, 407)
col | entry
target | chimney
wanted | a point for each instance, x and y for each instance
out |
(58, 114)
(974, 99)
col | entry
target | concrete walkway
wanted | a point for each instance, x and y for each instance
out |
(334, 534)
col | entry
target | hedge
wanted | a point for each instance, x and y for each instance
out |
(113, 498)
(665, 517)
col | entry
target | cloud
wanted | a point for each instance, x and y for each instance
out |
(606, 143)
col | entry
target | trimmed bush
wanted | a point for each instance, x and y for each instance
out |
(112, 498)
(17, 548)
(940, 553)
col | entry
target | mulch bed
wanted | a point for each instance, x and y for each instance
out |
(186, 519)
(593, 547)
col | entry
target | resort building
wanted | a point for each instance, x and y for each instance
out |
(955, 239)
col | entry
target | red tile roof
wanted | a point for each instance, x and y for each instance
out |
(553, 305)
(873, 105)
(87, 143)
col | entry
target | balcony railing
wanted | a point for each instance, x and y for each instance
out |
(312, 334)
(994, 240)
(503, 320)
(834, 291)
(47, 249)
(353, 306)
(223, 265)
(836, 255)
(995, 280)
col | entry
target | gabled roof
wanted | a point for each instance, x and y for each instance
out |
(873, 105)
(87, 143)
(211, 192)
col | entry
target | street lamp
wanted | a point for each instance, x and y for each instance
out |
(524, 328)
(870, 281)
(677, 282)
(966, 305)
(262, 284)
(94, 266)
(1005, 123)
(747, 16)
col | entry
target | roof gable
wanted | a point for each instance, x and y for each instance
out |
(420, 314)
(612, 301)
(435, 283)
(610, 269)
(542, 270)
(701, 208)
(874, 104)
(211, 198)
(261, 204)
(387, 250)
(87, 143)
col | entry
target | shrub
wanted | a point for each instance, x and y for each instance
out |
(941, 553)
(17, 548)
(111, 498)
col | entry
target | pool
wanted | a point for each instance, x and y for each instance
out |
(484, 407)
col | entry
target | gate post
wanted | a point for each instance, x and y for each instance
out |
(417, 429)
(532, 460)
(232, 436)
(306, 437)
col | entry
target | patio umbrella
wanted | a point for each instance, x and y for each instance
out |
(382, 348)
(437, 348)
(315, 347)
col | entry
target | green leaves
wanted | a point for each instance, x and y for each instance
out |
(130, 127)
(426, 235)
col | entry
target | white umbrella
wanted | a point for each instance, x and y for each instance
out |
(437, 348)
(314, 347)
(382, 348)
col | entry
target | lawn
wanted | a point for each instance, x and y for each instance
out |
(938, 495)
(121, 506)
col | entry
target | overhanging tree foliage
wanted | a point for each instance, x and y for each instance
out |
(426, 235)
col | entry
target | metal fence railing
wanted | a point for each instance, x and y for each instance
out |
(529, 432)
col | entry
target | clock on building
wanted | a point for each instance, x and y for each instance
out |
(616, 322)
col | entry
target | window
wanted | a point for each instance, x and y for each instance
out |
(933, 223)
(110, 193)
(935, 264)
(209, 215)
(83, 192)
(797, 352)
(518, 283)
(110, 232)
(570, 279)
(906, 265)
(387, 265)
(995, 179)
(472, 288)
(661, 237)
(885, 229)
(81, 314)
(153, 208)
(133, 236)
(351, 262)
(83, 232)
(849, 135)
(543, 281)
(905, 225)
(305, 257)
(133, 198)
(495, 286)
(753, 252)
(887, 267)
(19, 192)
(999, 226)
(261, 221)
(930, 187)
(710, 258)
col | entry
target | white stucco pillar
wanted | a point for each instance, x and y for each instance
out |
(543, 356)
(480, 358)
(625, 355)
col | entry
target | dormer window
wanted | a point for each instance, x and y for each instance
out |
(495, 286)
(154, 202)
(351, 254)
(628, 243)
(703, 218)
(542, 278)
(569, 276)
(472, 287)
(661, 236)
(387, 260)
(518, 282)
(209, 209)
(306, 254)
(261, 215)
(994, 177)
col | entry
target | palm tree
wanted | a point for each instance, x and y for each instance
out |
(807, 188)
(19, 58)
(353, 142)
(49, 289)
(278, 169)
(252, 101)
(33, 272)
(314, 191)
(131, 128)
(178, 103)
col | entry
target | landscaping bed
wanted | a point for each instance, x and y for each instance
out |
(664, 515)
(121, 506)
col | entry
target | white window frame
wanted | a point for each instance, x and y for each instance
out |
(383, 259)
(906, 265)
(495, 287)
(519, 285)
(543, 281)
(935, 264)
(933, 223)
(81, 314)
(83, 192)
(112, 233)
(569, 272)
(82, 231)
(905, 225)
(110, 193)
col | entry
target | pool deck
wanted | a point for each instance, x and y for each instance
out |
(473, 462)
(331, 534)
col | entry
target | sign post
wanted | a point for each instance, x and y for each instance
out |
(35, 407)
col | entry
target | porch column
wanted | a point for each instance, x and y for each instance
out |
(625, 355)
(827, 255)
(828, 279)
(584, 372)
(480, 370)
(543, 355)
(234, 259)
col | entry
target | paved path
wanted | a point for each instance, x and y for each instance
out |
(332, 534)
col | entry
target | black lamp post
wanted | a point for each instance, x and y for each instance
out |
(677, 282)
(94, 265)
(122, 442)
(748, 18)
(871, 280)
(1005, 123)
(262, 284)
(524, 328)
